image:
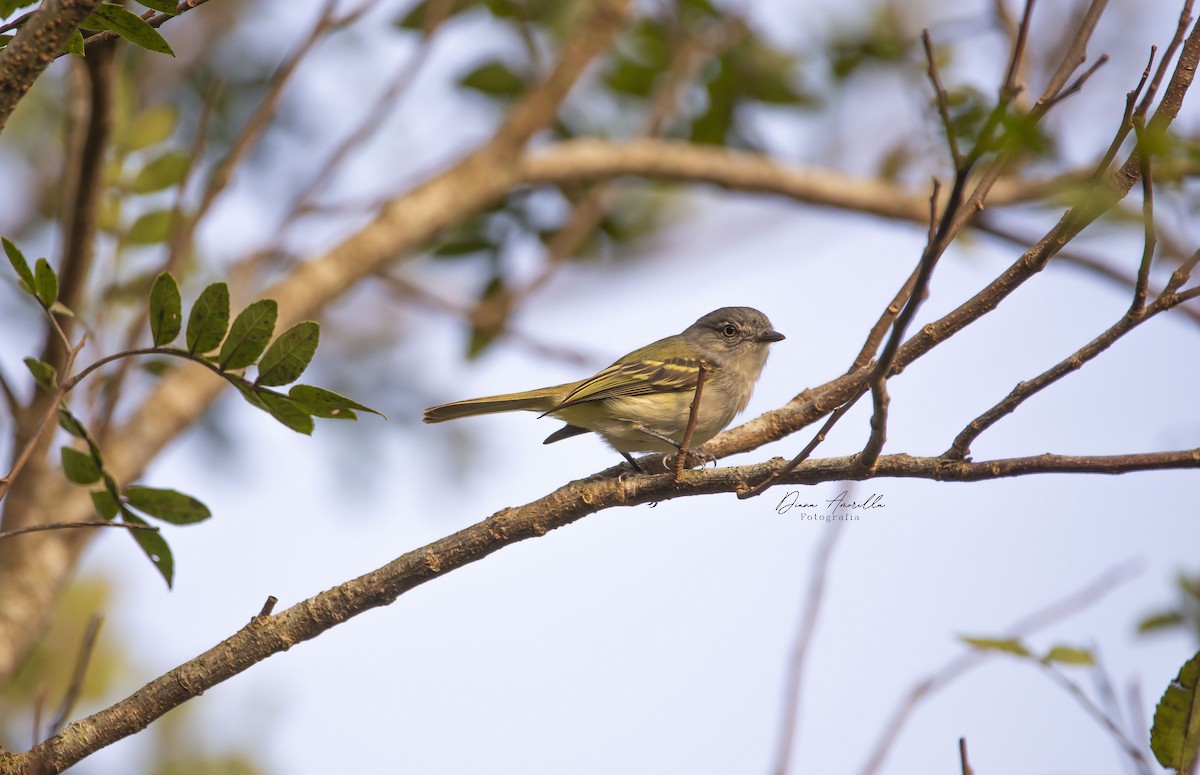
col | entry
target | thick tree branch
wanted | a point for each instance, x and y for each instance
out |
(38, 43)
(265, 636)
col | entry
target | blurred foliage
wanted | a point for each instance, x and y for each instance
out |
(1183, 615)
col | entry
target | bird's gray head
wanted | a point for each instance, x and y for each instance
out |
(730, 329)
(734, 336)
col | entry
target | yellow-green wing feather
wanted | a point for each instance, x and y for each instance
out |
(636, 378)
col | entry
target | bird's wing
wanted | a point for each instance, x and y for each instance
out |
(635, 378)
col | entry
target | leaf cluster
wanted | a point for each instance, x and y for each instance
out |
(226, 348)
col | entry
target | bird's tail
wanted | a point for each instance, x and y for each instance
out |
(542, 400)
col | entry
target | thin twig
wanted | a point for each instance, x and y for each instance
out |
(1185, 20)
(1017, 55)
(31, 442)
(1150, 235)
(940, 98)
(71, 526)
(962, 757)
(1080, 696)
(1126, 124)
(268, 605)
(693, 418)
(1077, 85)
(794, 682)
(816, 440)
(75, 687)
(1076, 55)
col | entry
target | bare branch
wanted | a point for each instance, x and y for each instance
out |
(263, 637)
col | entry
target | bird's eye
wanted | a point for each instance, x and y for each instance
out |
(730, 330)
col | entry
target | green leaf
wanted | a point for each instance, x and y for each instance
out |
(80, 467)
(130, 26)
(288, 412)
(327, 404)
(494, 79)
(106, 505)
(289, 355)
(151, 228)
(1160, 621)
(46, 282)
(44, 375)
(209, 319)
(154, 545)
(165, 6)
(8, 7)
(163, 172)
(463, 246)
(152, 126)
(17, 259)
(74, 44)
(418, 18)
(249, 334)
(1175, 735)
(167, 505)
(285, 409)
(1069, 655)
(69, 423)
(166, 310)
(1007, 645)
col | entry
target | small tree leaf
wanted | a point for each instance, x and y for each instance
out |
(151, 228)
(44, 375)
(8, 7)
(74, 44)
(80, 467)
(106, 505)
(289, 412)
(289, 355)
(1163, 620)
(1007, 645)
(46, 282)
(1175, 735)
(249, 334)
(209, 319)
(165, 6)
(1069, 655)
(168, 505)
(154, 545)
(17, 259)
(152, 126)
(327, 404)
(130, 26)
(69, 423)
(494, 79)
(166, 310)
(165, 171)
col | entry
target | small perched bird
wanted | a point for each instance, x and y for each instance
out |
(642, 402)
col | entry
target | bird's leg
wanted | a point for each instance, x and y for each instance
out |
(633, 463)
(663, 437)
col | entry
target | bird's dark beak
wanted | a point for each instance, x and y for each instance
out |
(770, 336)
